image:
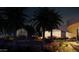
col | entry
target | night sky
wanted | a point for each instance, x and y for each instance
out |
(67, 13)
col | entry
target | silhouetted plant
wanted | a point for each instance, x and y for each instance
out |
(47, 20)
(12, 18)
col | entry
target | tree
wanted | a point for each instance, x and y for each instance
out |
(3, 18)
(11, 19)
(15, 17)
(48, 20)
(54, 21)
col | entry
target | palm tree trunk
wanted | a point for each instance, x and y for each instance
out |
(51, 34)
(77, 34)
(43, 33)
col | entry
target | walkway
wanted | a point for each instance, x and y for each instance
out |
(64, 47)
(68, 47)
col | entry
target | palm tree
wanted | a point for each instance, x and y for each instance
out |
(3, 18)
(15, 18)
(48, 20)
(54, 21)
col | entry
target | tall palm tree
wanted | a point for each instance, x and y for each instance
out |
(15, 18)
(3, 18)
(48, 20)
(12, 18)
(54, 21)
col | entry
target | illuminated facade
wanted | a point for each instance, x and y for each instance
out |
(73, 26)
(58, 33)
(66, 31)
(21, 32)
(55, 33)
